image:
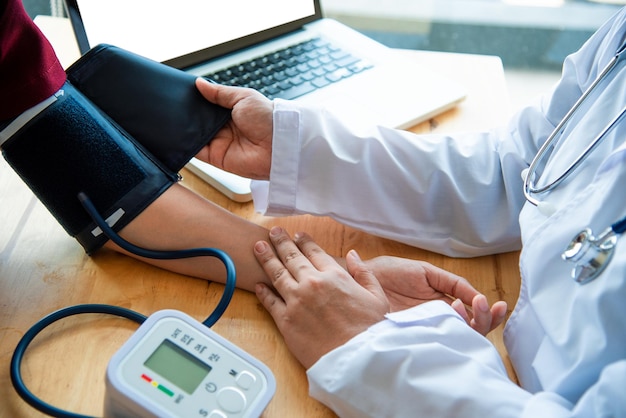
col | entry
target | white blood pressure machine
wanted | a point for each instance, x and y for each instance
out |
(174, 366)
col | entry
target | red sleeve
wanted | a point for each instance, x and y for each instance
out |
(29, 69)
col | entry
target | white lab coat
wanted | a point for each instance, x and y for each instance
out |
(462, 196)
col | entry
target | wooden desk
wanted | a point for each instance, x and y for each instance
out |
(42, 269)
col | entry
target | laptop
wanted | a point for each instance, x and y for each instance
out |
(283, 48)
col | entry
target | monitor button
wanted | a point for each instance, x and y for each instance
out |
(231, 400)
(245, 380)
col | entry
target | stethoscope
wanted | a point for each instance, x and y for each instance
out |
(589, 254)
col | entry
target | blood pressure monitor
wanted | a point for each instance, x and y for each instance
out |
(174, 366)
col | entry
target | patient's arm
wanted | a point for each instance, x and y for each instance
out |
(181, 219)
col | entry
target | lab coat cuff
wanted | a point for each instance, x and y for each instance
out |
(426, 314)
(260, 194)
(345, 379)
(278, 196)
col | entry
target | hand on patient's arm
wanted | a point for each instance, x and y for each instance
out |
(318, 305)
(244, 145)
(408, 283)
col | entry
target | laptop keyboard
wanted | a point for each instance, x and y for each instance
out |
(293, 71)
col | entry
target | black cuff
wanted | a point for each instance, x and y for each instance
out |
(159, 106)
(71, 147)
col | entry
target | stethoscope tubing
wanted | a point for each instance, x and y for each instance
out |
(619, 227)
(530, 187)
(589, 254)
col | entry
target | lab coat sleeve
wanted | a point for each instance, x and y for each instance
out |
(421, 362)
(426, 361)
(459, 195)
(441, 193)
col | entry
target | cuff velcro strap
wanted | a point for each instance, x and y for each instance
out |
(71, 147)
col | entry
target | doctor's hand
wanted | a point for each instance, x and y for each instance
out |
(244, 145)
(408, 283)
(316, 304)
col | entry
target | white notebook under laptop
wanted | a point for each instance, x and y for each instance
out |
(357, 78)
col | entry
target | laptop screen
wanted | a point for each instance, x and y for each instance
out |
(184, 32)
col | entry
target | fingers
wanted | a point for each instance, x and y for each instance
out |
(498, 313)
(293, 260)
(450, 284)
(484, 319)
(481, 321)
(285, 266)
(459, 307)
(362, 274)
(224, 96)
(277, 272)
(270, 300)
(300, 253)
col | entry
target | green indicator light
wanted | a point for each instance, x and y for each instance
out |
(165, 390)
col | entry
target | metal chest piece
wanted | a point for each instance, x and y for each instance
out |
(589, 254)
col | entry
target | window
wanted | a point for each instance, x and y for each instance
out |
(524, 33)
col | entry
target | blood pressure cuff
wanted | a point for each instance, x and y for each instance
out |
(121, 141)
(157, 105)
